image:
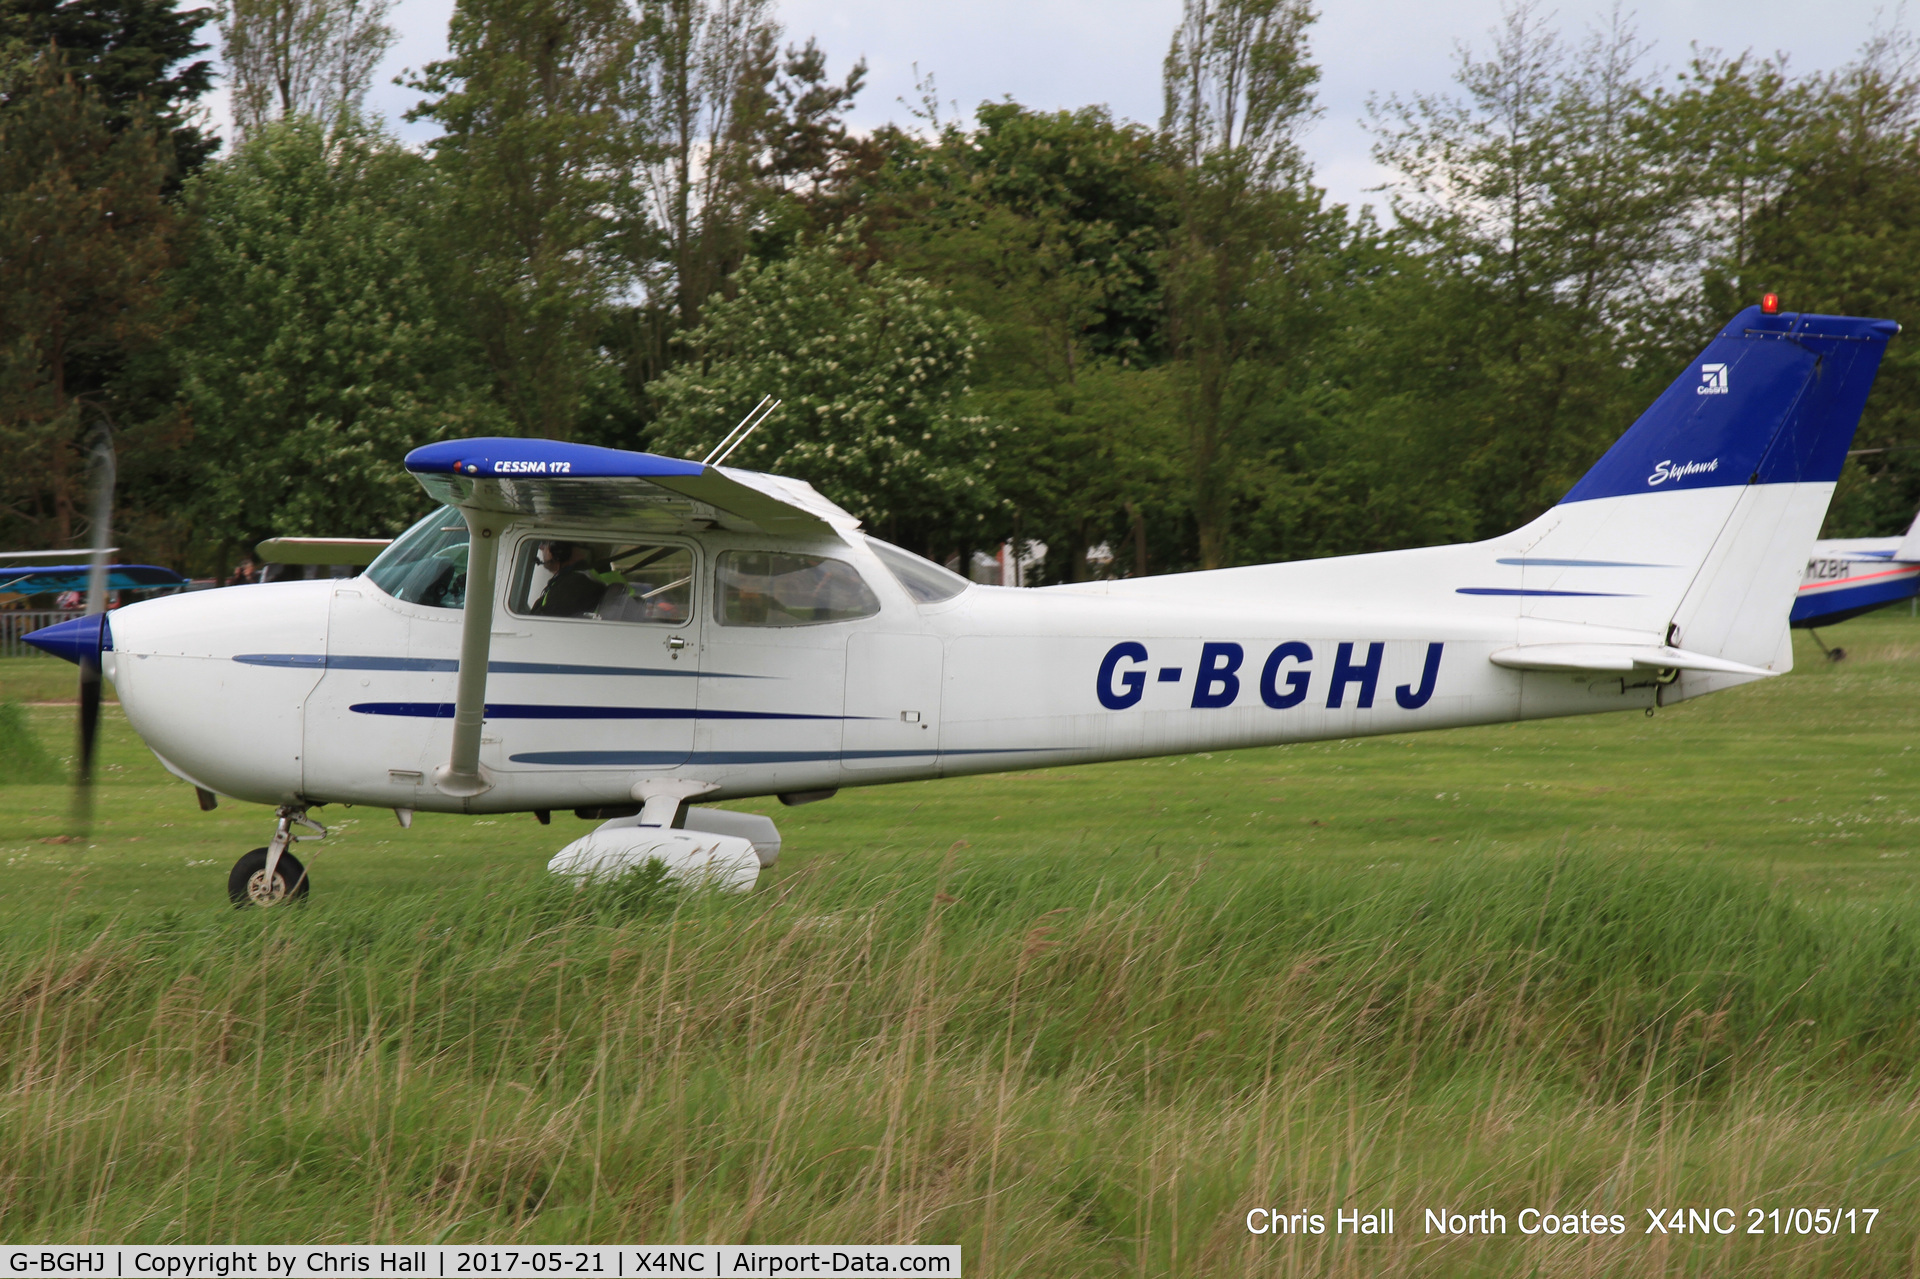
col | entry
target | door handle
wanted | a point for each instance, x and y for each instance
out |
(676, 642)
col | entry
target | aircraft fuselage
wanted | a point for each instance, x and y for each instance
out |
(337, 692)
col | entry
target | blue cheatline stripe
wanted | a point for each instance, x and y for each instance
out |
(585, 759)
(520, 710)
(349, 662)
(1505, 590)
(1529, 562)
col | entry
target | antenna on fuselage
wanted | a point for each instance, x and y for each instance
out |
(750, 430)
(738, 434)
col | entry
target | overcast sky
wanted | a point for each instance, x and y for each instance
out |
(1068, 53)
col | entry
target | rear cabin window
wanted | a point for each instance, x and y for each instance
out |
(427, 564)
(776, 588)
(605, 581)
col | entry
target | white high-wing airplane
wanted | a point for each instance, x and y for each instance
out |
(622, 633)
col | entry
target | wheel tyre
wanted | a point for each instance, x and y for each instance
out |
(247, 881)
(1837, 655)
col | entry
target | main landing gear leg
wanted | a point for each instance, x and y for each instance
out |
(1832, 654)
(272, 874)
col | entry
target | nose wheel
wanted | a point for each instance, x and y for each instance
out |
(250, 883)
(270, 875)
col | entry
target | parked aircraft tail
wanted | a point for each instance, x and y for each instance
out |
(1909, 548)
(1699, 519)
(1680, 550)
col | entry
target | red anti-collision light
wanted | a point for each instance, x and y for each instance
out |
(1770, 303)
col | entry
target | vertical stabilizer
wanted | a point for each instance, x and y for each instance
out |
(1909, 548)
(1701, 516)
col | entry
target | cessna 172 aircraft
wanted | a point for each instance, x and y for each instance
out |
(610, 631)
(1846, 577)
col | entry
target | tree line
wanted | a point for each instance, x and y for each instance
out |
(639, 217)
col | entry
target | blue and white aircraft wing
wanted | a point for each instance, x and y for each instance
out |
(73, 577)
(548, 479)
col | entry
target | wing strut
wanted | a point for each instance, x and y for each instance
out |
(463, 775)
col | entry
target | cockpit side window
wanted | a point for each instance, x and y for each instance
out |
(427, 564)
(926, 581)
(779, 588)
(605, 581)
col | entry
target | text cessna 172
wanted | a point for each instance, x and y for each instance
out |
(608, 631)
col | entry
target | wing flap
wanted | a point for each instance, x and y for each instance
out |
(1616, 659)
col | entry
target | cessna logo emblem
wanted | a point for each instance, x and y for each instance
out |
(1713, 380)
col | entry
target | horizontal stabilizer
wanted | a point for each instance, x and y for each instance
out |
(1616, 659)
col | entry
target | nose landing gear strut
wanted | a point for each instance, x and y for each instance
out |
(267, 876)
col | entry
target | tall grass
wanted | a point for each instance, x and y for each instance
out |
(1066, 1073)
(22, 756)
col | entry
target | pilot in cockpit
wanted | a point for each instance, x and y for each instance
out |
(573, 590)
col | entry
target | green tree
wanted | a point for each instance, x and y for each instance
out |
(1048, 226)
(87, 239)
(736, 143)
(301, 57)
(321, 347)
(1813, 192)
(1359, 450)
(1555, 222)
(871, 365)
(1244, 262)
(538, 102)
(130, 54)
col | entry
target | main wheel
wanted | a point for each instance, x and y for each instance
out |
(247, 883)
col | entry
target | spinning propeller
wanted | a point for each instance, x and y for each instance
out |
(103, 481)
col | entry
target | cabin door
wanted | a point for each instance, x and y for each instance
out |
(596, 655)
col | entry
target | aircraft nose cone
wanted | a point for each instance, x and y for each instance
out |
(74, 639)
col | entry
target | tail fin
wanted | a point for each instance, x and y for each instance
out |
(1909, 548)
(1716, 493)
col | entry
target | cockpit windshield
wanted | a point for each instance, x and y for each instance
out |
(427, 564)
(926, 581)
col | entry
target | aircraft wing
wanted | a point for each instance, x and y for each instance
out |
(73, 577)
(322, 550)
(554, 480)
(1615, 659)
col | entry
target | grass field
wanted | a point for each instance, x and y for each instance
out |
(1079, 1021)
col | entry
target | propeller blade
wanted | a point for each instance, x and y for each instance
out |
(89, 717)
(103, 466)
